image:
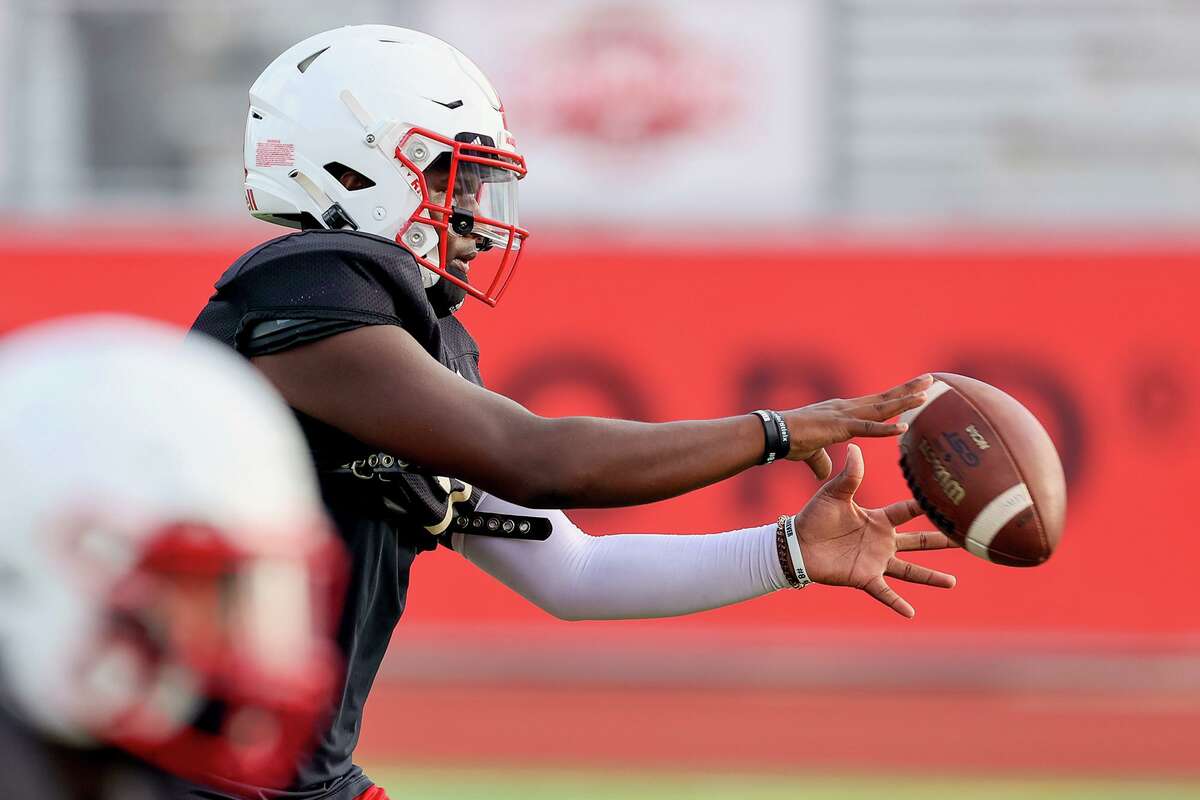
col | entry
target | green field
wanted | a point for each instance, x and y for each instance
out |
(499, 784)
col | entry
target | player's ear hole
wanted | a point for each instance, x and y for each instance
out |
(352, 179)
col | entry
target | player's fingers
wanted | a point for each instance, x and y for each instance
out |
(879, 589)
(850, 478)
(915, 573)
(917, 384)
(873, 429)
(886, 409)
(923, 540)
(901, 512)
(820, 463)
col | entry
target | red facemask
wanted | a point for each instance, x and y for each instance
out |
(472, 195)
(251, 633)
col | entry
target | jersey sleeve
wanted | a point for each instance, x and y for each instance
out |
(310, 286)
(277, 335)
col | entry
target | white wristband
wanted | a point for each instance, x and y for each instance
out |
(793, 543)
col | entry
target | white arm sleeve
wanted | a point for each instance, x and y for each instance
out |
(575, 576)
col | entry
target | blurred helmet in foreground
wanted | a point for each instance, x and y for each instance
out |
(166, 573)
(413, 117)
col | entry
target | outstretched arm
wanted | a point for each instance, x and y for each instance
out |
(575, 576)
(377, 384)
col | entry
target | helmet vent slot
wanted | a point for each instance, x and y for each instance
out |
(306, 63)
(350, 178)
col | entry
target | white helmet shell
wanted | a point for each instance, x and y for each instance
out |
(111, 428)
(345, 99)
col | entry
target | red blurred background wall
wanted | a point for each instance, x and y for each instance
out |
(1101, 342)
(1086, 663)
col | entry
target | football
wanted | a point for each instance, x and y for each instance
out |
(985, 472)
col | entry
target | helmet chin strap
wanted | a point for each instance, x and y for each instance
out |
(444, 296)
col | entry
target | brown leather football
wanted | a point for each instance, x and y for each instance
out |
(985, 471)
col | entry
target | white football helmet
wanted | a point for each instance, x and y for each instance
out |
(167, 576)
(397, 107)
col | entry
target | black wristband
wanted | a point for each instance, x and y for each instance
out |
(778, 439)
(785, 436)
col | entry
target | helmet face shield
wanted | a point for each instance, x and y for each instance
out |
(489, 193)
(482, 206)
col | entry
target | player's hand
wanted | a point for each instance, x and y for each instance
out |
(844, 544)
(815, 427)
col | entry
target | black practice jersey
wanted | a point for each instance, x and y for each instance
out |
(32, 768)
(298, 289)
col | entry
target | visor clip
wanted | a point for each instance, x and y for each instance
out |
(462, 222)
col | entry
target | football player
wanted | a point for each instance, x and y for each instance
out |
(390, 151)
(166, 569)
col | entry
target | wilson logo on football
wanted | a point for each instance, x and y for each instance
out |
(953, 490)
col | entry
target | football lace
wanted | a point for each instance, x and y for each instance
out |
(944, 524)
